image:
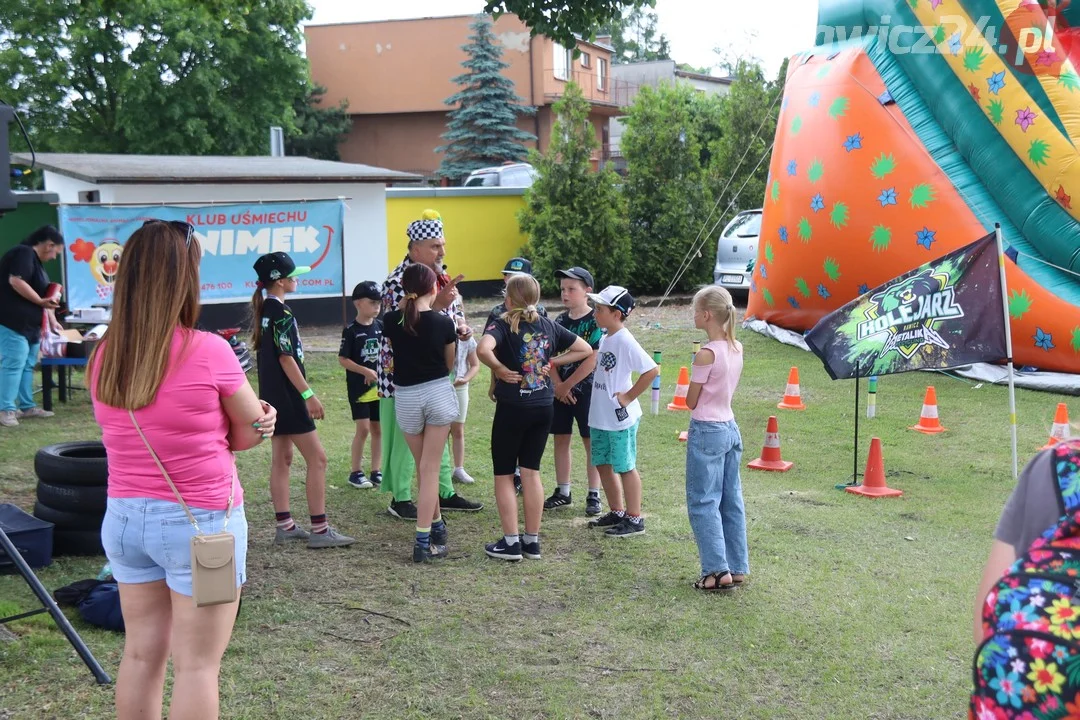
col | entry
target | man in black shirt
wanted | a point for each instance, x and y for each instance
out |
(23, 285)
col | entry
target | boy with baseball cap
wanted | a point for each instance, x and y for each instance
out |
(614, 413)
(359, 355)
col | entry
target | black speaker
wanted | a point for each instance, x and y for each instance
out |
(7, 198)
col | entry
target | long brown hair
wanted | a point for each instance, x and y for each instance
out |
(522, 295)
(156, 292)
(417, 281)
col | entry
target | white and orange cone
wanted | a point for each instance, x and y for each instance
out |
(681, 388)
(792, 394)
(1060, 429)
(770, 454)
(929, 424)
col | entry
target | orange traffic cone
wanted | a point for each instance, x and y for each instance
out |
(770, 454)
(1060, 429)
(928, 419)
(683, 387)
(792, 396)
(874, 478)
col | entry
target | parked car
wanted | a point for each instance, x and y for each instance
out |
(509, 175)
(736, 251)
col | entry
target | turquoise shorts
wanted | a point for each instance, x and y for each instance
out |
(617, 448)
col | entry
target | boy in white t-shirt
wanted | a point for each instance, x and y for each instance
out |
(615, 413)
(466, 365)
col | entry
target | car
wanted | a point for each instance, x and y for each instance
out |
(736, 251)
(508, 175)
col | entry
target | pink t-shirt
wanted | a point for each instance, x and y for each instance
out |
(186, 425)
(718, 383)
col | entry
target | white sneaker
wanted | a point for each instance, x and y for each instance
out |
(34, 412)
(7, 418)
(462, 477)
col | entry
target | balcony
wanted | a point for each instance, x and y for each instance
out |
(609, 99)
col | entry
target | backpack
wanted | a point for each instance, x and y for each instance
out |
(1028, 665)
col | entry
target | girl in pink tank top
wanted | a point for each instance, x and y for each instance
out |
(714, 447)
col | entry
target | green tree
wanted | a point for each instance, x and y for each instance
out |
(573, 215)
(563, 21)
(665, 146)
(482, 130)
(319, 130)
(634, 36)
(153, 76)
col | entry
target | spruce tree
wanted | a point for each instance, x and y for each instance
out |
(482, 129)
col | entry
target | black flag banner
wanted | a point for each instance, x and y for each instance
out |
(943, 314)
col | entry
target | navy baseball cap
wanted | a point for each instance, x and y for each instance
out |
(366, 290)
(577, 273)
(517, 266)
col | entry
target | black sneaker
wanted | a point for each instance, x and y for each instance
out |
(592, 506)
(456, 502)
(402, 509)
(607, 521)
(531, 550)
(376, 477)
(431, 553)
(359, 480)
(557, 500)
(627, 528)
(440, 536)
(501, 551)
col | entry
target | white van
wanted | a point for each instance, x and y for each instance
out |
(736, 250)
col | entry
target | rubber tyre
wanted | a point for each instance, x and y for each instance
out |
(77, 542)
(68, 520)
(73, 463)
(76, 499)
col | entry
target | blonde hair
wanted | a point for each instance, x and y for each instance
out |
(717, 301)
(522, 295)
(156, 292)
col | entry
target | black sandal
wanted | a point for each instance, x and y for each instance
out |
(717, 586)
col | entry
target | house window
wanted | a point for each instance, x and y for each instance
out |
(585, 59)
(564, 59)
(601, 74)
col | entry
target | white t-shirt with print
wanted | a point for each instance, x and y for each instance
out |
(618, 357)
(461, 359)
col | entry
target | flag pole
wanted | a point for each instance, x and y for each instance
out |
(855, 471)
(1008, 349)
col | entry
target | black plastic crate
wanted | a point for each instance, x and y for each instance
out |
(33, 538)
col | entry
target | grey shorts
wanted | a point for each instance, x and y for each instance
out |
(430, 403)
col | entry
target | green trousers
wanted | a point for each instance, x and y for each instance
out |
(399, 468)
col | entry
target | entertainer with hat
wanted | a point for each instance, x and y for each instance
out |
(427, 246)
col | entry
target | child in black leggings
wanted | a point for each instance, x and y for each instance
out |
(521, 348)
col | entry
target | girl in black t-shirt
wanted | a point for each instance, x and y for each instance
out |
(283, 384)
(521, 348)
(424, 343)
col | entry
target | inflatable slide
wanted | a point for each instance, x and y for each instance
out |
(908, 132)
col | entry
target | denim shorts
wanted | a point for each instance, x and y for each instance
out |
(148, 540)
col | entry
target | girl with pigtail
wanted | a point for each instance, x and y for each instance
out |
(521, 348)
(424, 343)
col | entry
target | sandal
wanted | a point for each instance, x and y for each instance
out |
(737, 579)
(716, 585)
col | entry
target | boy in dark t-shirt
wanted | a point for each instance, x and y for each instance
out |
(359, 355)
(573, 390)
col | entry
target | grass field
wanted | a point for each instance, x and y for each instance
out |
(855, 608)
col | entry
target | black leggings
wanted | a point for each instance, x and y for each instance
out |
(519, 436)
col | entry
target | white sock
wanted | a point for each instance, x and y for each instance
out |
(530, 537)
(564, 490)
(511, 539)
(459, 469)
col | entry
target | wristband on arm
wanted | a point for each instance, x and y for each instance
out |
(307, 394)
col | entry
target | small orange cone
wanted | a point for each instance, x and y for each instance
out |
(928, 420)
(770, 454)
(683, 387)
(683, 436)
(1060, 430)
(874, 478)
(792, 396)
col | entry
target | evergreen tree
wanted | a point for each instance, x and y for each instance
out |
(482, 129)
(574, 215)
(319, 129)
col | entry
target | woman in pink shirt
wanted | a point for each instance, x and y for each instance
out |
(195, 406)
(714, 447)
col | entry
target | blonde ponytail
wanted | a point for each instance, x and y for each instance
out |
(522, 296)
(717, 301)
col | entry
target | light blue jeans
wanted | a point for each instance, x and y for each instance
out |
(18, 356)
(714, 496)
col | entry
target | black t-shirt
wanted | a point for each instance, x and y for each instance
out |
(280, 336)
(360, 343)
(16, 312)
(584, 327)
(527, 353)
(419, 358)
(498, 310)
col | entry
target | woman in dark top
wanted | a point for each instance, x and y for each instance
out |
(23, 283)
(521, 348)
(424, 343)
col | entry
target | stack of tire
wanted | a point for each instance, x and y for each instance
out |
(71, 492)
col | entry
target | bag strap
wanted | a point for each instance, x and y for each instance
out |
(194, 523)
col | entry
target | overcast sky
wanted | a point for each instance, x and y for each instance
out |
(693, 27)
